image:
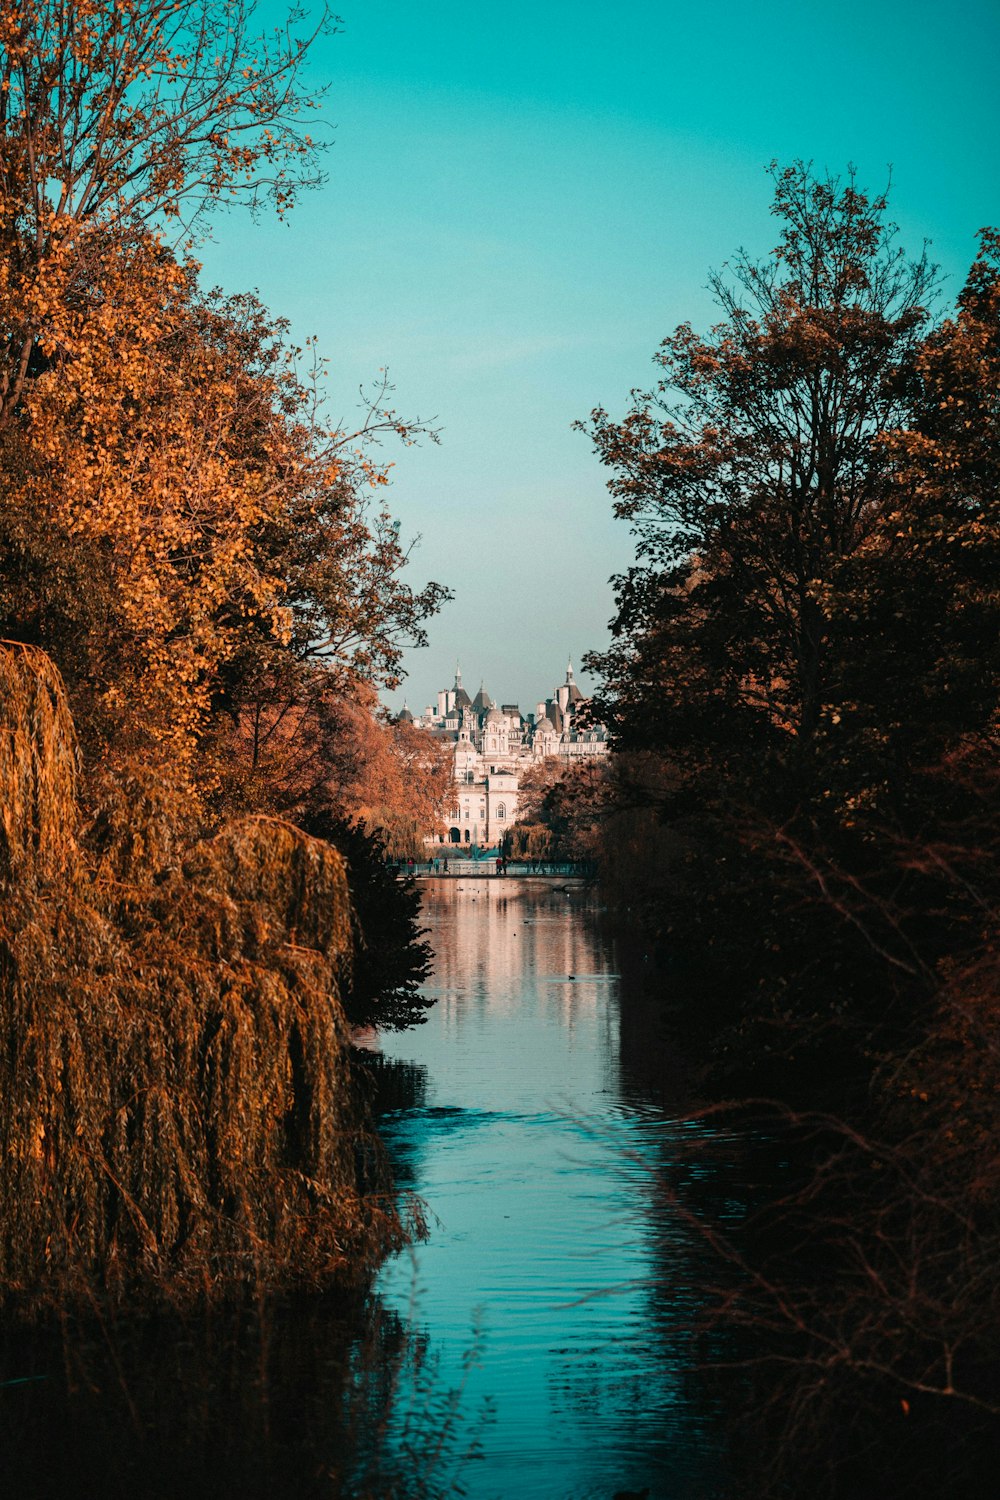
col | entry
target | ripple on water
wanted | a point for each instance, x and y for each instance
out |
(536, 1155)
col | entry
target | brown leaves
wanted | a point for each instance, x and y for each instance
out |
(38, 770)
(116, 116)
(179, 1119)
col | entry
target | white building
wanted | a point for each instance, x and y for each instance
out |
(494, 745)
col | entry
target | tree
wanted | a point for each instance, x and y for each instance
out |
(390, 961)
(765, 481)
(210, 563)
(124, 120)
(750, 472)
(179, 1117)
(145, 576)
(560, 811)
(806, 655)
(317, 748)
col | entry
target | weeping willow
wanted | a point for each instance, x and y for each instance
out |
(176, 1104)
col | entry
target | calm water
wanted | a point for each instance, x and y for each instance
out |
(536, 1145)
(544, 1321)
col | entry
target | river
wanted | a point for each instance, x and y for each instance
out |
(537, 1141)
(537, 1344)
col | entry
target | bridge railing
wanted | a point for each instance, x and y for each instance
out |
(487, 867)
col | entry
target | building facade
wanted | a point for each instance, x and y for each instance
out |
(494, 744)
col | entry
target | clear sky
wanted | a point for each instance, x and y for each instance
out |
(523, 200)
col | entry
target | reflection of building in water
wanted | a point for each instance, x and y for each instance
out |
(493, 933)
(494, 745)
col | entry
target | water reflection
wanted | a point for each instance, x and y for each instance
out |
(537, 1345)
(289, 1399)
(396, 1085)
(538, 1149)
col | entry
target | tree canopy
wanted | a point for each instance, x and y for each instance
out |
(755, 468)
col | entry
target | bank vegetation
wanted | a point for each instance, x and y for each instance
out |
(202, 591)
(803, 693)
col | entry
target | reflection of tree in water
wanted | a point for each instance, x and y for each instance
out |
(681, 1170)
(651, 1064)
(648, 1388)
(654, 1436)
(397, 1087)
(396, 1083)
(290, 1401)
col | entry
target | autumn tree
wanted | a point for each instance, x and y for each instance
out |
(211, 565)
(179, 530)
(761, 479)
(145, 572)
(560, 811)
(332, 746)
(121, 121)
(208, 545)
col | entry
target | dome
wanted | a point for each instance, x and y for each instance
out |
(494, 716)
(404, 716)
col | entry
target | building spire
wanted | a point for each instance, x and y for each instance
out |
(569, 669)
(458, 676)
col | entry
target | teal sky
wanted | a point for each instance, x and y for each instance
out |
(523, 200)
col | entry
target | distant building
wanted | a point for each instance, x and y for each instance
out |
(494, 746)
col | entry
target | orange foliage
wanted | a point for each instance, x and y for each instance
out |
(130, 458)
(124, 119)
(333, 747)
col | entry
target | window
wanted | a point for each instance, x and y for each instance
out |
(501, 810)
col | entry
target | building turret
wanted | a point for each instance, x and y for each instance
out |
(568, 694)
(494, 733)
(462, 699)
(545, 738)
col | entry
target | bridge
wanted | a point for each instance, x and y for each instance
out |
(448, 868)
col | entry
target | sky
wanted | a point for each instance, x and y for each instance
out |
(523, 201)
